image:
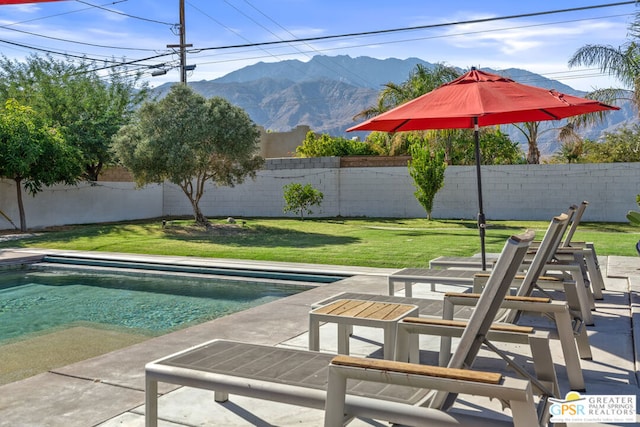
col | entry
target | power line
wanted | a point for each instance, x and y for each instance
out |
(319, 38)
(125, 14)
(345, 69)
(227, 28)
(419, 27)
(73, 41)
(57, 14)
(91, 6)
(68, 55)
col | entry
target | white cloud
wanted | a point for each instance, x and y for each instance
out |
(22, 8)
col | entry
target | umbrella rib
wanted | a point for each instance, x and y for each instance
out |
(395, 129)
(553, 116)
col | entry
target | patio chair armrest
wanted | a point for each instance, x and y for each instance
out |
(416, 369)
(462, 324)
(516, 393)
(506, 298)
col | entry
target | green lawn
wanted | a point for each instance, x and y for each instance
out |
(364, 242)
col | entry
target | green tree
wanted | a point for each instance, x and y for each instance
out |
(620, 146)
(427, 170)
(498, 149)
(33, 154)
(299, 198)
(87, 108)
(459, 146)
(380, 142)
(327, 146)
(189, 140)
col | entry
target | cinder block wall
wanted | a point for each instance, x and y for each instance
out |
(82, 204)
(537, 191)
(519, 192)
(522, 192)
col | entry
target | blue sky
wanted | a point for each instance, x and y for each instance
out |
(132, 30)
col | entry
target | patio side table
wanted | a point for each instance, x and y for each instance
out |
(347, 313)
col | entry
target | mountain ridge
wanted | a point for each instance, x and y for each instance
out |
(326, 92)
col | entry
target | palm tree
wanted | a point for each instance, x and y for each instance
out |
(420, 81)
(621, 62)
(531, 130)
(572, 144)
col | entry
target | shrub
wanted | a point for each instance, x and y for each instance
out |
(299, 198)
(328, 146)
(634, 216)
(427, 170)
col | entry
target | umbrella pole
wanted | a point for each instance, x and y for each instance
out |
(481, 218)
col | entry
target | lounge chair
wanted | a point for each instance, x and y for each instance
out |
(569, 324)
(514, 393)
(569, 257)
(461, 270)
(466, 274)
(311, 379)
(590, 255)
(576, 291)
(545, 380)
(573, 340)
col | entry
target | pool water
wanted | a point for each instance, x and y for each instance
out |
(36, 302)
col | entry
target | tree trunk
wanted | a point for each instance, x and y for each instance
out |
(92, 171)
(200, 219)
(198, 215)
(533, 156)
(23, 218)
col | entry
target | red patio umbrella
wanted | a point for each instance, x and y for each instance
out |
(476, 99)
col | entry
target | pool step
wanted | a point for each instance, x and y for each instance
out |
(315, 277)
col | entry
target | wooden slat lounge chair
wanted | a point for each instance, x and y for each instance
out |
(571, 335)
(309, 379)
(473, 336)
(516, 394)
(574, 343)
(545, 379)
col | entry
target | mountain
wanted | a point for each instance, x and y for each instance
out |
(326, 92)
(362, 71)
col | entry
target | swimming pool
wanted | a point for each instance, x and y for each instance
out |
(35, 302)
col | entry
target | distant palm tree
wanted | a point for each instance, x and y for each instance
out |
(621, 62)
(572, 144)
(530, 130)
(420, 81)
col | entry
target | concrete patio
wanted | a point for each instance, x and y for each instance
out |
(108, 390)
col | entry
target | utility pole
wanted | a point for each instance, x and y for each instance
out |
(183, 47)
